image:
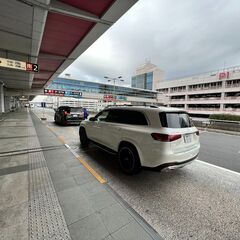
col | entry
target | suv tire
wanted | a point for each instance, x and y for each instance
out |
(83, 137)
(128, 159)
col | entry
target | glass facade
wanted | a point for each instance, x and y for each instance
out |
(149, 81)
(92, 87)
(143, 81)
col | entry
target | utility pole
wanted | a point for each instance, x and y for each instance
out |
(114, 85)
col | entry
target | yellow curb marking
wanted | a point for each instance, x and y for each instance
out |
(61, 139)
(51, 129)
(94, 173)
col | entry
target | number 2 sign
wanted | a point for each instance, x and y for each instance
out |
(31, 67)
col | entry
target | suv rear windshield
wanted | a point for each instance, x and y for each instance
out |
(175, 120)
(70, 109)
(76, 109)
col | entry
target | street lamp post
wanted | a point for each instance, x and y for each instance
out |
(114, 82)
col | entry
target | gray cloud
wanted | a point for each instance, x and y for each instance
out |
(180, 37)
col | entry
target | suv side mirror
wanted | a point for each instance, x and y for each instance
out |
(92, 119)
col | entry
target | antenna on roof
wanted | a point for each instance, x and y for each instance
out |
(147, 60)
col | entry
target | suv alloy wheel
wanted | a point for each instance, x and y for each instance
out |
(83, 137)
(128, 159)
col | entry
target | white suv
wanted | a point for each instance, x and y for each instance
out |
(143, 136)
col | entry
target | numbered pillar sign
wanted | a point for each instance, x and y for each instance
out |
(43, 104)
(31, 67)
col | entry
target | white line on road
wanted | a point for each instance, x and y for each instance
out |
(67, 146)
(221, 168)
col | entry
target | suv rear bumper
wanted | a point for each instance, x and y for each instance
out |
(165, 157)
(73, 120)
(175, 165)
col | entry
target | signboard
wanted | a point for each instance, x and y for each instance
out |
(108, 98)
(31, 67)
(223, 75)
(73, 94)
(63, 93)
(120, 97)
(54, 92)
(113, 98)
(18, 65)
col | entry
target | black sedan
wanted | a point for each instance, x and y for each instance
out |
(65, 115)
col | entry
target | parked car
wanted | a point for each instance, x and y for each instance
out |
(68, 115)
(143, 136)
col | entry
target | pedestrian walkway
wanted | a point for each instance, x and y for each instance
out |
(46, 193)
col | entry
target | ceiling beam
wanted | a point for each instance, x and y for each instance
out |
(41, 55)
(54, 56)
(65, 9)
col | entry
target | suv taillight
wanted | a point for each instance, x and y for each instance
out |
(66, 113)
(165, 137)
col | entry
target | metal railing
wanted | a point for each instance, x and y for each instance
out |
(232, 85)
(234, 98)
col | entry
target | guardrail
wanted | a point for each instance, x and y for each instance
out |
(218, 124)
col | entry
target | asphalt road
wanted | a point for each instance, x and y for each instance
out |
(199, 201)
(220, 149)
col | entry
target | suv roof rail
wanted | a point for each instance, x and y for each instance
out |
(131, 105)
(154, 106)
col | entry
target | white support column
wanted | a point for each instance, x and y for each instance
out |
(222, 101)
(222, 95)
(2, 108)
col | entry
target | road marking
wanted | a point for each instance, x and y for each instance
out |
(88, 167)
(67, 146)
(61, 139)
(50, 128)
(221, 168)
(93, 172)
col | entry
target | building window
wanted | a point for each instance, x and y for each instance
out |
(149, 81)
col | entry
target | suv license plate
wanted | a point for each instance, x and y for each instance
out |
(187, 138)
(75, 115)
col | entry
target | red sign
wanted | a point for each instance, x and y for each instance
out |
(108, 97)
(54, 92)
(223, 75)
(31, 67)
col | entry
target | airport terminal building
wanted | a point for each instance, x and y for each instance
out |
(207, 93)
(95, 96)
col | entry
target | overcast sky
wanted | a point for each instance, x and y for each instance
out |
(180, 37)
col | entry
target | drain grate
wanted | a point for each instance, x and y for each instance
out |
(46, 220)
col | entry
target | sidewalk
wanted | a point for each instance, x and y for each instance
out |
(46, 193)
